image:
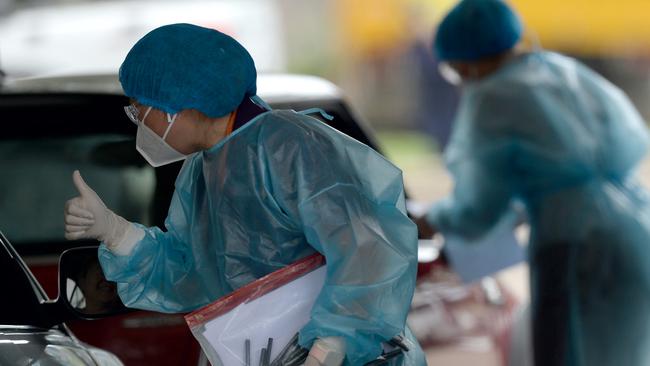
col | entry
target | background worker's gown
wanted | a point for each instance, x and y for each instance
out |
(548, 131)
(278, 189)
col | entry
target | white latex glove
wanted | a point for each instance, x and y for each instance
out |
(329, 351)
(87, 217)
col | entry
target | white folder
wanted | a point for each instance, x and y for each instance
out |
(276, 306)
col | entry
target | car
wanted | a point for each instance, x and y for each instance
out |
(32, 327)
(67, 122)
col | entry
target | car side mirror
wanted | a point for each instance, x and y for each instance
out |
(83, 288)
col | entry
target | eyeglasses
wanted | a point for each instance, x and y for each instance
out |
(134, 113)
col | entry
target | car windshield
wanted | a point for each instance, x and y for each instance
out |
(38, 182)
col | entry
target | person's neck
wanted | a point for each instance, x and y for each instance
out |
(216, 130)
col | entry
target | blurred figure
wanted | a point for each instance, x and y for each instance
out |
(542, 128)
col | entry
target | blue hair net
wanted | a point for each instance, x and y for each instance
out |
(184, 66)
(475, 29)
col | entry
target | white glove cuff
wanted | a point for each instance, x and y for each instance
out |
(125, 245)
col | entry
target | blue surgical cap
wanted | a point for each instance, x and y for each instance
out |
(476, 29)
(184, 66)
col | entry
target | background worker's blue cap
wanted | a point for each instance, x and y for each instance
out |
(184, 66)
(475, 29)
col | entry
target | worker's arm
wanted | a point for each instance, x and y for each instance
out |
(153, 269)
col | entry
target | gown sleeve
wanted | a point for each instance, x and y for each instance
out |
(158, 274)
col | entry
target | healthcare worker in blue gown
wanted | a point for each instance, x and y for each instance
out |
(259, 189)
(543, 129)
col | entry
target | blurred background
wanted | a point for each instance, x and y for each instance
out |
(377, 51)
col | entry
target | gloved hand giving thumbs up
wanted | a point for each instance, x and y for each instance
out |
(87, 217)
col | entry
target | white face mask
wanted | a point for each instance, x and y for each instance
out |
(154, 148)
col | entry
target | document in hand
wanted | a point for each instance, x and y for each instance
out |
(253, 324)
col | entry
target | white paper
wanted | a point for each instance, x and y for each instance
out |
(280, 314)
(495, 251)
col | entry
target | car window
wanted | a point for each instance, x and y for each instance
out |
(38, 182)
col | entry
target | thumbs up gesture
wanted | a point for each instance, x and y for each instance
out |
(87, 217)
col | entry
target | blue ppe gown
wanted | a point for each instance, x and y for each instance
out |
(550, 132)
(278, 189)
